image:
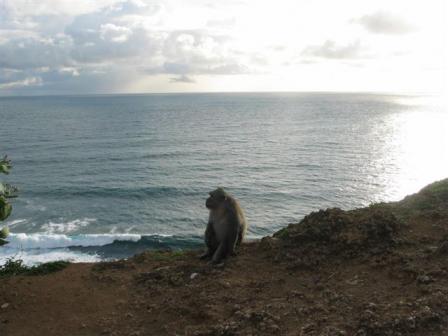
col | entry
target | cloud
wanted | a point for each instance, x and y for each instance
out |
(69, 70)
(221, 23)
(228, 69)
(330, 50)
(35, 52)
(119, 37)
(109, 35)
(382, 22)
(114, 33)
(52, 46)
(182, 79)
(29, 81)
(26, 8)
(206, 68)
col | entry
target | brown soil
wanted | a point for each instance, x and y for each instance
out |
(380, 270)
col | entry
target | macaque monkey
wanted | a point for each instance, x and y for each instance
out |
(226, 226)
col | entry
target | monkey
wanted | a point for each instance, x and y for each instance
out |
(226, 226)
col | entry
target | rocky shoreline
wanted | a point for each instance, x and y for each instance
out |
(379, 270)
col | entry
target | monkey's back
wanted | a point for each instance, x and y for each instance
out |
(221, 219)
(242, 223)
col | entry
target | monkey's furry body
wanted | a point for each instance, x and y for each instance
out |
(226, 226)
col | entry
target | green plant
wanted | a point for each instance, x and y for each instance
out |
(7, 191)
(17, 267)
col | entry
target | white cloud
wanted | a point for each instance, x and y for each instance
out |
(69, 70)
(122, 45)
(114, 33)
(383, 22)
(330, 50)
(29, 81)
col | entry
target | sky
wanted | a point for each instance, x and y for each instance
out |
(138, 46)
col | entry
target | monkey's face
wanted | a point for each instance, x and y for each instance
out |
(216, 199)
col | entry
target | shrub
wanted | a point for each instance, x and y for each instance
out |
(6, 191)
(17, 267)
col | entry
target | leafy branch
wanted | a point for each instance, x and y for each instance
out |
(7, 191)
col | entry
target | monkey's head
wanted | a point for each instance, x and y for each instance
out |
(216, 199)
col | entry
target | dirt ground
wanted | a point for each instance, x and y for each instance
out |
(381, 270)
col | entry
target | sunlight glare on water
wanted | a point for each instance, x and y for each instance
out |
(418, 147)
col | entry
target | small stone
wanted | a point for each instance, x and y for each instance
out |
(4, 306)
(424, 279)
(225, 284)
(193, 275)
(410, 322)
(274, 328)
(371, 306)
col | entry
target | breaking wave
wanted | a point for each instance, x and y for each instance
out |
(49, 241)
(35, 248)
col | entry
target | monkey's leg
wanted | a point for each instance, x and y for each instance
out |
(220, 253)
(240, 237)
(206, 255)
(237, 243)
(226, 247)
(210, 241)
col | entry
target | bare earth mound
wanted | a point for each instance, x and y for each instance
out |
(380, 270)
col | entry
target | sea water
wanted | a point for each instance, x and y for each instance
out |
(108, 176)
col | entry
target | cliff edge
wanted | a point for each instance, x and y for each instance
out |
(379, 270)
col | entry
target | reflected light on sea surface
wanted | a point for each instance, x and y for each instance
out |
(418, 148)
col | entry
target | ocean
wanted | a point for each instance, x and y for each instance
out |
(108, 176)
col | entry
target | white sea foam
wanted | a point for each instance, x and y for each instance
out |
(67, 227)
(35, 248)
(47, 241)
(33, 257)
(16, 222)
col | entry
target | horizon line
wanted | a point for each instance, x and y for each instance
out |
(390, 93)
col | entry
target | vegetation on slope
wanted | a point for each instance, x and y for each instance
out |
(6, 192)
(17, 267)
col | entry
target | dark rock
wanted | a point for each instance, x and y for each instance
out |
(443, 248)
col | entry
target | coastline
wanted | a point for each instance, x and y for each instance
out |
(379, 270)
